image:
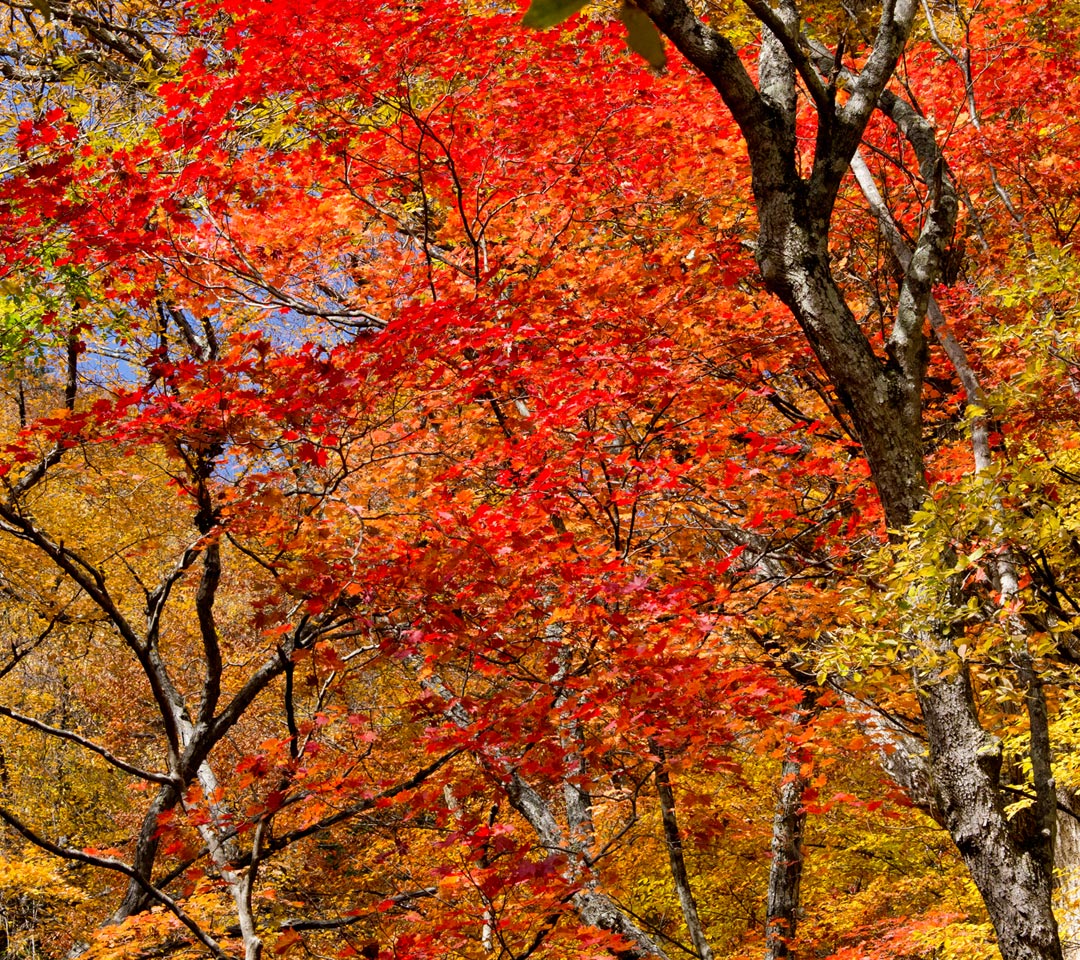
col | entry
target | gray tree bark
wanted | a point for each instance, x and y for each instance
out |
(592, 906)
(1067, 862)
(785, 871)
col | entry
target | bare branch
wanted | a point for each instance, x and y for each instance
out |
(87, 744)
(118, 866)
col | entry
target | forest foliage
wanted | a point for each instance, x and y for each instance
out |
(424, 531)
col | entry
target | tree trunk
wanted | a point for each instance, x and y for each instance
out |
(1067, 862)
(785, 873)
(1004, 859)
(676, 860)
(1008, 865)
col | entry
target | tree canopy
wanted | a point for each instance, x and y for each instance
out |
(563, 480)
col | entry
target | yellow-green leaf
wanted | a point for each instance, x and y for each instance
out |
(546, 13)
(642, 36)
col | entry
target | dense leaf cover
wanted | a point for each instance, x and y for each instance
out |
(412, 496)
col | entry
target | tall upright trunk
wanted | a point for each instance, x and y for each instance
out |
(785, 871)
(1011, 867)
(1067, 864)
(676, 860)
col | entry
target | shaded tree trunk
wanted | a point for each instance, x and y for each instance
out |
(676, 860)
(1067, 863)
(785, 872)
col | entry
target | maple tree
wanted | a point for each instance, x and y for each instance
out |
(423, 534)
(795, 194)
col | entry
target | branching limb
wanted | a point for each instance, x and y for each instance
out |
(784, 27)
(716, 57)
(954, 350)
(117, 866)
(37, 472)
(593, 907)
(87, 744)
(894, 28)
(156, 600)
(204, 611)
(92, 581)
(336, 923)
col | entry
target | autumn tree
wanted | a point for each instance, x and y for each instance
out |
(840, 72)
(412, 430)
(310, 518)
